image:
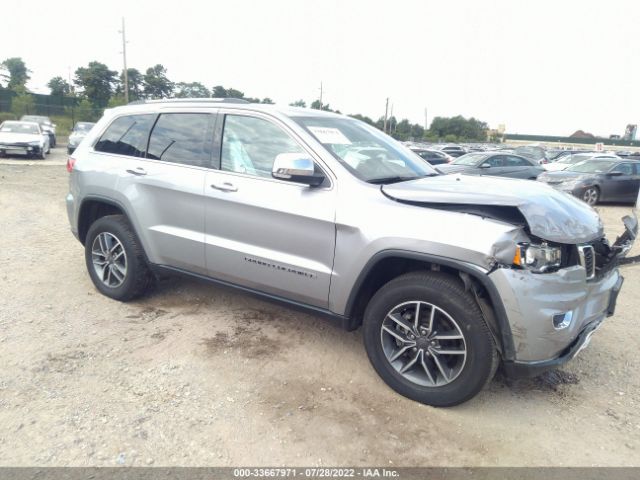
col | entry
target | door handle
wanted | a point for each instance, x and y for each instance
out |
(137, 171)
(225, 187)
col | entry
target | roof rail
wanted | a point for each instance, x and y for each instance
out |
(191, 100)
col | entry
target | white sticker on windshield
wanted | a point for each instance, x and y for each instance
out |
(329, 135)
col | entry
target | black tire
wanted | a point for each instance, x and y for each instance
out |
(138, 277)
(41, 155)
(447, 293)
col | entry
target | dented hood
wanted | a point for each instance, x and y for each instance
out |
(550, 214)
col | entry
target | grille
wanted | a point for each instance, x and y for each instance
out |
(587, 260)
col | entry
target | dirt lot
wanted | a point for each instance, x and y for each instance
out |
(198, 375)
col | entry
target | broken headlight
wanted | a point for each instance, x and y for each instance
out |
(537, 258)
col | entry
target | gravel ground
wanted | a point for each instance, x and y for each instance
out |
(198, 375)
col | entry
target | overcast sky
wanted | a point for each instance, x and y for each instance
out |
(546, 67)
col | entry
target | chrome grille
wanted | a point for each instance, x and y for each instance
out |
(587, 259)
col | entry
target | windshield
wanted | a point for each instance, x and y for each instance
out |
(592, 166)
(470, 159)
(36, 118)
(17, 127)
(570, 159)
(366, 152)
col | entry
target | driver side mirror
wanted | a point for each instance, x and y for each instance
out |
(615, 174)
(485, 165)
(295, 167)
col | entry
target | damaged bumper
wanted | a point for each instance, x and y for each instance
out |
(553, 315)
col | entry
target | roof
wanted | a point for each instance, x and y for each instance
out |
(240, 104)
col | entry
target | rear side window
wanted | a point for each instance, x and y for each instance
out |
(126, 136)
(184, 138)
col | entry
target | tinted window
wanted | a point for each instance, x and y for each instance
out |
(182, 138)
(250, 145)
(496, 161)
(126, 136)
(516, 162)
(625, 168)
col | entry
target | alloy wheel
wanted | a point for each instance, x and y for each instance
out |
(109, 259)
(590, 196)
(423, 343)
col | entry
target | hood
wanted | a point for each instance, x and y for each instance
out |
(550, 214)
(452, 168)
(562, 176)
(11, 137)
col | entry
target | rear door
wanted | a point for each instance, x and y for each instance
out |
(164, 184)
(495, 166)
(518, 167)
(267, 234)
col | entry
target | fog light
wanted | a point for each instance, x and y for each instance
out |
(562, 320)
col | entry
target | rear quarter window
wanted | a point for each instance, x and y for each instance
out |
(126, 135)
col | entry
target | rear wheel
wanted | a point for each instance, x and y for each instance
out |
(427, 339)
(591, 195)
(115, 259)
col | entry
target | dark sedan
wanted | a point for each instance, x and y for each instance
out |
(494, 164)
(598, 180)
(434, 157)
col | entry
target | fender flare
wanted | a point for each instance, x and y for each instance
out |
(477, 273)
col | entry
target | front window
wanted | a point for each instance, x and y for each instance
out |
(14, 127)
(592, 166)
(366, 152)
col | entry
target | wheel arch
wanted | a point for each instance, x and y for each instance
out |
(388, 264)
(93, 208)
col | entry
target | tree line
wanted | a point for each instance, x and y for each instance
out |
(97, 87)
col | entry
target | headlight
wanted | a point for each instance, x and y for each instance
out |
(537, 258)
(570, 183)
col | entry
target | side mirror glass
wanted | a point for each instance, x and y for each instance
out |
(295, 167)
(485, 165)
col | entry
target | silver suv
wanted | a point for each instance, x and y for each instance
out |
(449, 275)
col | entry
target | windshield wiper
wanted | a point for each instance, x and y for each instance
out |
(397, 179)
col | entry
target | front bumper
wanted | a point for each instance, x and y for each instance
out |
(518, 369)
(534, 302)
(26, 150)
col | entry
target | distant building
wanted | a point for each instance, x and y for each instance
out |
(630, 132)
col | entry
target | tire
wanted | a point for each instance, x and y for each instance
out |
(591, 196)
(41, 155)
(455, 308)
(121, 284)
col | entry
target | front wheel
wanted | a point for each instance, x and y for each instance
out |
(115, 259)
(426, 337)
(591, 196)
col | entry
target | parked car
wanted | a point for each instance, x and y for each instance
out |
(533, 152)
(568, 160)
(494, 164)
(434, 157)
(598, 180)
(45, 124)
(452, 150)
(23, 138)
(448, 275)
(555, 155)
(79, 131)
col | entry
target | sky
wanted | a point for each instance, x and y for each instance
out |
(538, 67)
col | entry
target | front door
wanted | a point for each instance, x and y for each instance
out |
(269, 235)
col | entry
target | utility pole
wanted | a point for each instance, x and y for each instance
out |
(386, 111)
(124, 60)
(321, 95)
(391, 119)
(426, 123)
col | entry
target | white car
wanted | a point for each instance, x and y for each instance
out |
(23, 138)
(567, 161)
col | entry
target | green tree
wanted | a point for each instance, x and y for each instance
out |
(219, 92)
(117, 100)
(459, 127)
(14, 71)
(59, 86)
(298, 103)
(23, 103)
(363, 118)
(156, 83)
(97, 83)
(135, 82)
(191, 90)
(267, 100)
(85, 112)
